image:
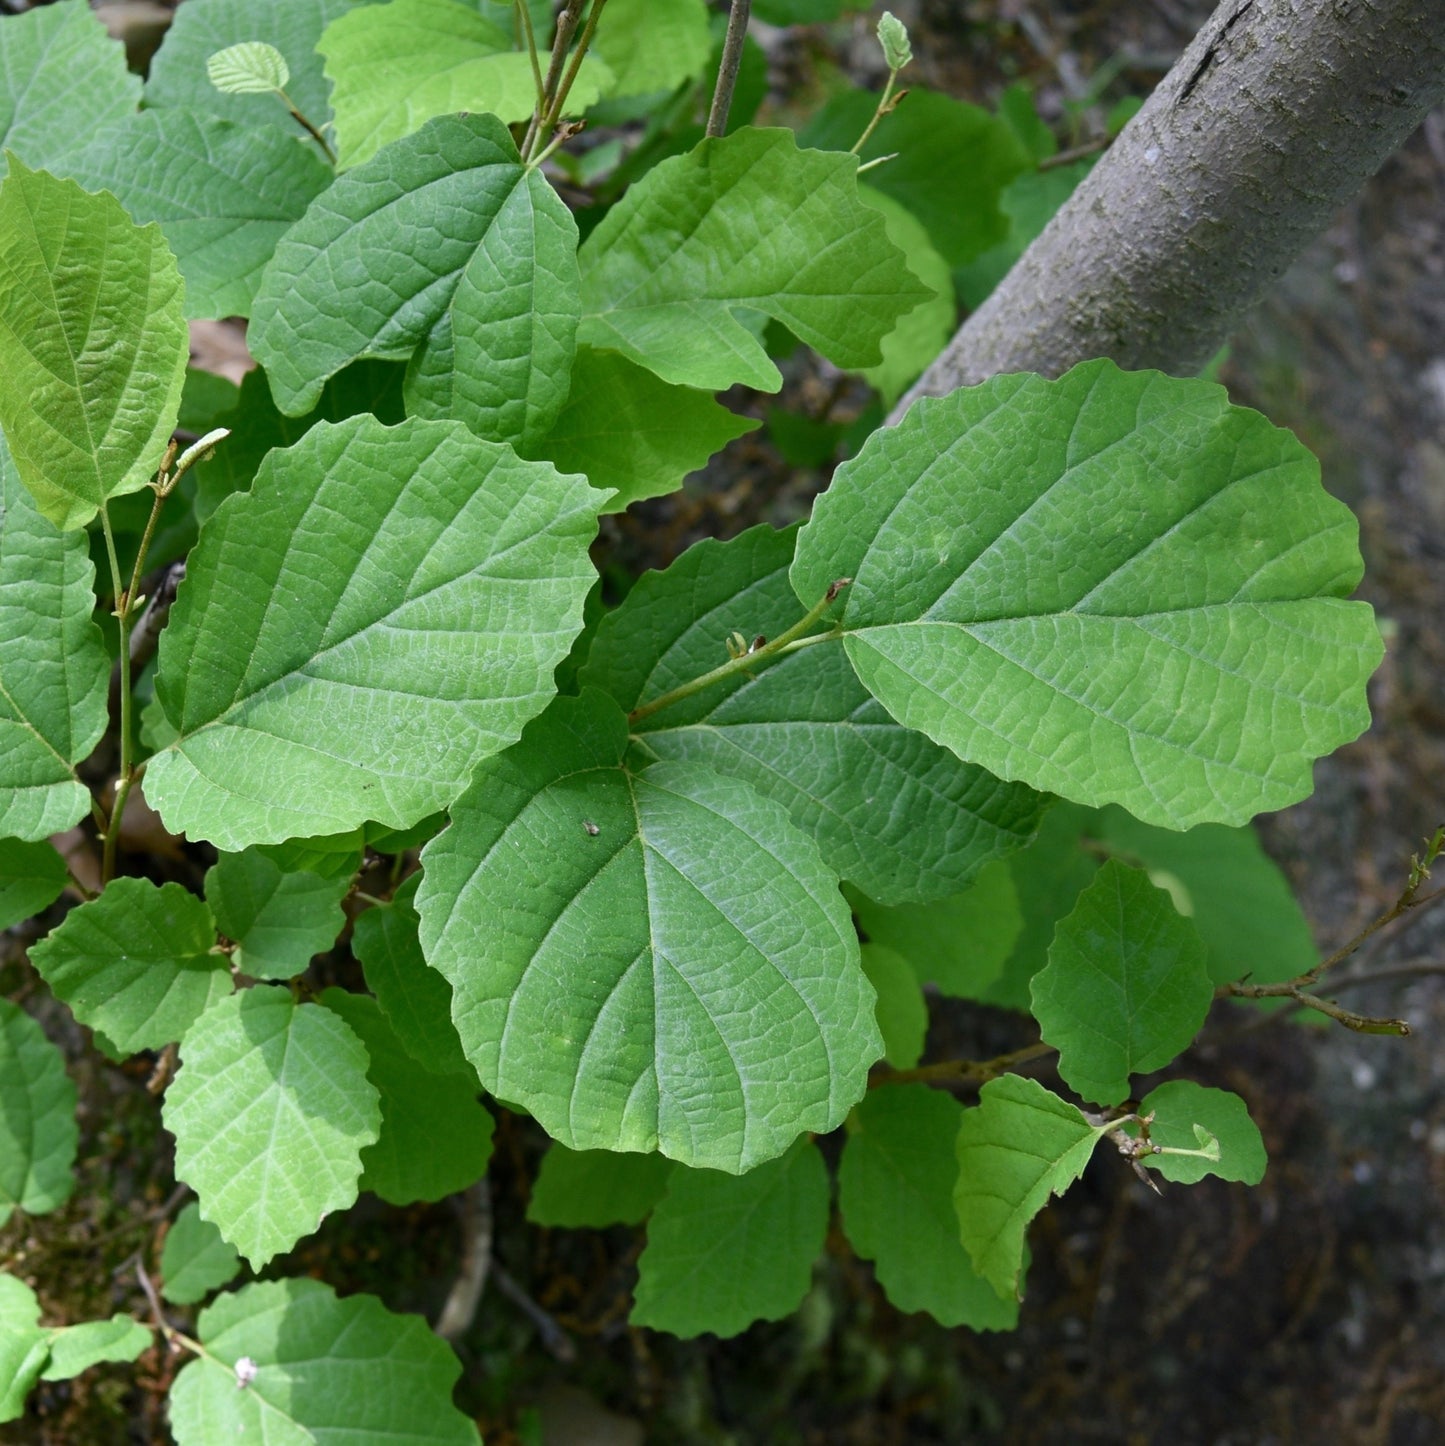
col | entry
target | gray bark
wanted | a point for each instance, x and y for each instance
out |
(1273, 118)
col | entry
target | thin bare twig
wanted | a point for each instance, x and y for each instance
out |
(727, 71)
(965, 1071)
(557, 1342)
(460, 1309)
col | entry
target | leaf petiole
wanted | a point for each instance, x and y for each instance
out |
(760, 651)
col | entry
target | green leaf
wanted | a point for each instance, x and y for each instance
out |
(1189, 663)
(895, 1190)
(54, 670)
(416, 1000)
(271, 1110)
(1126, 988)
(325, 1369)
(626, 429)
(959, 943)
(37, 1118)
(278, 920)
(195, 1259)
(445, 249)
(223, 195)
(1017, 1147)
(394, 67)
(902, 1012)
(136, 963)
(251, 68)
(742, 222)
(592, 1189)
(652, 45)
(436, 1136)
(178, 73)
(329, 856)
(890, 811)
(24, 1344)
(1029, 202)
(65, 79)
(93, 344)
(893, 38)
(681, 973)
(920, 334)
(1178, 1108)
(928, 137)
(32, 878)
(726, 1250)
(1048, 876)
(77, 1348)
(1236, 896)
(257, 426)
(381, 611)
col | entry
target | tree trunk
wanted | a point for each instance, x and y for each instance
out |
(1272, 120)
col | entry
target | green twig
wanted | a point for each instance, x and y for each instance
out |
(747, 657)
(524, 17)
(566, 26)
(728, 67)
(123, 777)
(301, 120)
(887, 104)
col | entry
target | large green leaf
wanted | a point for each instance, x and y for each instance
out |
(436, 1136)
(383, 609)
(444, 249)
(1180, 1108)
(37, 1118)
(959, 943)
(196, 1258)
(596, 1188)
(257, 426)
(223, 194)
(902, 1010)
(24, 1344)
(416, 1000)
(325, 1369)
(1018, 1146)
(742, 222)
(93, 344)
(651, 959)
(64, 79)
(32, 875)
(178, 73)
(271, 1110)
(278, 919)
(950, 162)
(77, 1348)
(895, 1191)
(921, 333)
(890, 811)
(394, 67)
(136, 963)
(726, 1250)
(1048, 876)
(1224, 881)
(629, 430)
(653, 45)
(1126, 988)
(1114, 586)
(54, 671)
